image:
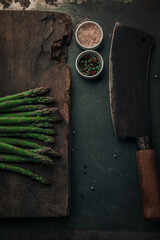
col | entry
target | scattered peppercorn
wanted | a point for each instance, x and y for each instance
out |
(73, 132)
(89, 65)
(114, 155)
(72, 150)
(92, 188)
(156, 76)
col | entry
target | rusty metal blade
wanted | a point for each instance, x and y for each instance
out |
(128, 80)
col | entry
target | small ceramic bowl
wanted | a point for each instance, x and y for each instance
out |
(89, 35)
(89, 52)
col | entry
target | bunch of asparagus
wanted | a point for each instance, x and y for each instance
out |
(22, 116)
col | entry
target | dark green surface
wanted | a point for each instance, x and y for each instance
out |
(114, 204)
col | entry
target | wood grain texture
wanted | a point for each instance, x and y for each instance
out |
(148, 179)
(33, 52)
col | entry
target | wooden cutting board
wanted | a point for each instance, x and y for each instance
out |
(33, 53)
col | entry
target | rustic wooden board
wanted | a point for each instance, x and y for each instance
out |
(33, 52)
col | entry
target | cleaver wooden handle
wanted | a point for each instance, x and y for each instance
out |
(148, 179)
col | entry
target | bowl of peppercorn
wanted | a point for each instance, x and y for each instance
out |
(89, 64)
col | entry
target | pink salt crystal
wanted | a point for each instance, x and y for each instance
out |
(89, 35)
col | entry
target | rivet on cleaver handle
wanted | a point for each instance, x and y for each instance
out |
(128, 86)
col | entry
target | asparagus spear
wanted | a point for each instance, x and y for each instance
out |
(43, 150)
(39, 125)
(42, 124)
(43, 137)
(17, 158)
(5, 147)
(29, 144)
(13, 129)
(29, 93)
(49, 151)
(26, 172)
(21, 142)
(17, 120)
(23, 108)
(17, 102)
(42, 112)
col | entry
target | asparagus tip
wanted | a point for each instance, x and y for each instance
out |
(43, 180)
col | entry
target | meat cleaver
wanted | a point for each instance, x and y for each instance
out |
(128, 87)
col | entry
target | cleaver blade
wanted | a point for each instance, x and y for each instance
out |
(128, 88)
(128, 68)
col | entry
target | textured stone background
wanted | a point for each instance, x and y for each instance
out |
(39, 4)
(44, 4)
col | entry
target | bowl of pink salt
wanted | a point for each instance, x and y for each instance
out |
(89, 35)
